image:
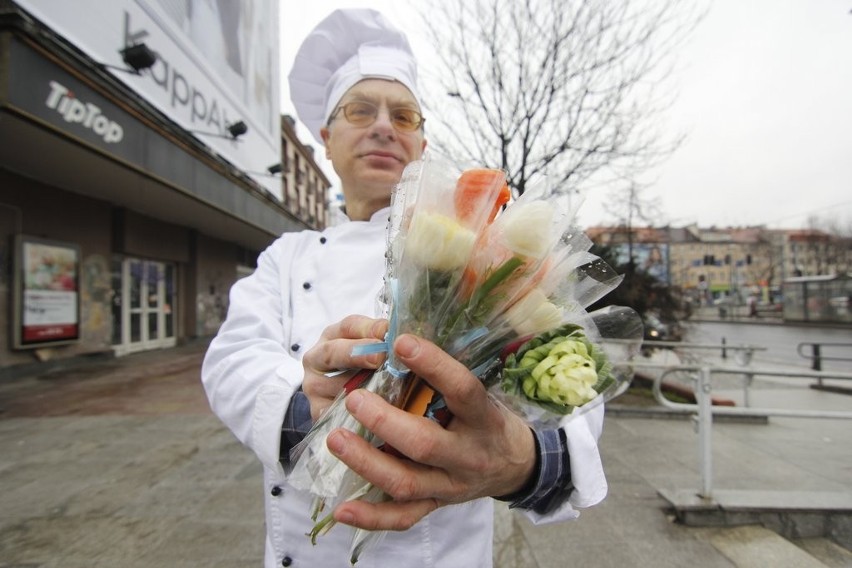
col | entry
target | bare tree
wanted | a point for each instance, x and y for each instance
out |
(563, 88)
(630, 206)
(770, 248)
(829, 243)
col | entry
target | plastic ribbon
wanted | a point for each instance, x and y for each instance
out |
(398, 371)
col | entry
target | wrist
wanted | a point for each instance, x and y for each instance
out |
(297, 423)
(531, 471)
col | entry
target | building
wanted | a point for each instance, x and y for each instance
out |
(304, 186)
(135, 185)
(721, 262)
(736, 262)
(812, 252)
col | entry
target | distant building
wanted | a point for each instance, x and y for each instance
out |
(649, 248)
(707, 263)
(811, 252)
(304, 186)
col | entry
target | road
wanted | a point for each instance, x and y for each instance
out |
(780, 340)
(121, 463)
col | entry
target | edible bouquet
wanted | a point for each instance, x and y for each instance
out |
(503, 288)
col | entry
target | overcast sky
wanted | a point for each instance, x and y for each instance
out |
(765, 99)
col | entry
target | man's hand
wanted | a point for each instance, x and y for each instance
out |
(333, 352)
(484, 451)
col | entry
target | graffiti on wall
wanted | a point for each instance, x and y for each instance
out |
(211, 303)
(96, 301)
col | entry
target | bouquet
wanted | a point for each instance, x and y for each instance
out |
(503, 288)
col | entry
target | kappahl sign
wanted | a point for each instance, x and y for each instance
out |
(181, 93)
(87, 114)
(217, 63)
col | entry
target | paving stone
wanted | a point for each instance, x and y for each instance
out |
(125, 466)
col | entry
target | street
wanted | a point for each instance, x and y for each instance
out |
(121, 463)
(780, 340)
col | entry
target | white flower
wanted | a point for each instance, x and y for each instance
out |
(439, 242)
(533, 313)
(527, 228)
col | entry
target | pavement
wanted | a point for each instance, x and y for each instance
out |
(120, 463)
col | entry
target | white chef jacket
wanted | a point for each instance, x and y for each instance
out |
(303, 283)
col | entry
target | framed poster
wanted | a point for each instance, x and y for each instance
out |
(46, 299)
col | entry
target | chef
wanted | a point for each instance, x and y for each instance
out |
(313, 298)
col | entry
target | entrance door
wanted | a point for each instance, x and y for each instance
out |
(146, 307)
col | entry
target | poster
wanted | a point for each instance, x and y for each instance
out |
(47, 293)
(650, 258)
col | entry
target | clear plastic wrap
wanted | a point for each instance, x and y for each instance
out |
(481, 278)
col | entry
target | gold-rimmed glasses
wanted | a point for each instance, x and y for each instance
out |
(363, 113)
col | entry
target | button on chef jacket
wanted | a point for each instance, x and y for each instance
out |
(303, 283)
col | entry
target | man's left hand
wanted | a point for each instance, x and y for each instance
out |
(486, 450)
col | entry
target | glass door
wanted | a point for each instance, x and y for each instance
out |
(146, 306)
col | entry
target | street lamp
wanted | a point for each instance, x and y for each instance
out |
(235, 129)
(138, 57)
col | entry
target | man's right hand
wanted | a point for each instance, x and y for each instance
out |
(333, 352)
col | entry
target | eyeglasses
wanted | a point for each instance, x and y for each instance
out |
(362, 113)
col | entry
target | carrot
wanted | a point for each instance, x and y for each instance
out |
(468, 282)
(421, 400)
(476, 188)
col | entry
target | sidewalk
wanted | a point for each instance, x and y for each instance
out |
(732, 313)
(121, 464)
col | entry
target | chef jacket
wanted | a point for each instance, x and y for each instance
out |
(303, 283)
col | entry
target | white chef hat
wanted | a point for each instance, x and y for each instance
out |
(344, 48)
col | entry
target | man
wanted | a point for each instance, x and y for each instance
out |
(290, 323)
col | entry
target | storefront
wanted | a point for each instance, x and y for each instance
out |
(145, 292)
(119, 231)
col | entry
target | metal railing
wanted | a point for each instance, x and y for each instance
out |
(816, 355)
(742, 353)
(704, 410)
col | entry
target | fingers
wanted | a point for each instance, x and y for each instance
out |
(486, 450)
(391, 475)
(464, 394)
(415, 437)
(333, 351)
(321, 392)
(387, 515)
(357, 327)
(449, 466)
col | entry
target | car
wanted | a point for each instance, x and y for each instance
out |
(658, 330)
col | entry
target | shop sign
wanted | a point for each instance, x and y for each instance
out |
(88, 114)
(46, 91)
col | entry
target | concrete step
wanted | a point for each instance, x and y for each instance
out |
(826, 551)
(792, 514)
(753, 546)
